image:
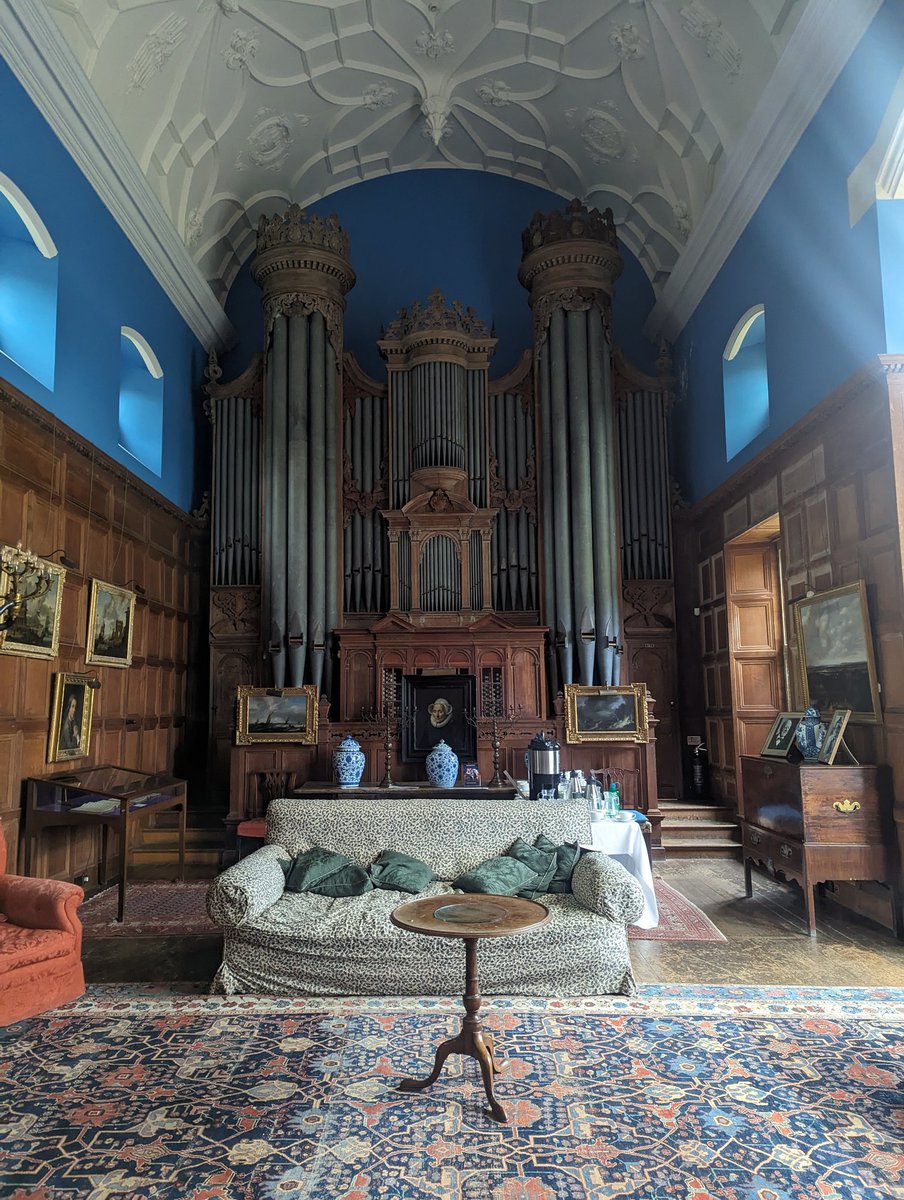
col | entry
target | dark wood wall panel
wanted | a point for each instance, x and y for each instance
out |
(837, 479)
(58, 491)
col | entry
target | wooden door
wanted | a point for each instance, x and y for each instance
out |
(755, 645)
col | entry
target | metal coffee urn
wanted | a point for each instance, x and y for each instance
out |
(542, 760)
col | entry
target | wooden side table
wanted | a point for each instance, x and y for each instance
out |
(469, 917)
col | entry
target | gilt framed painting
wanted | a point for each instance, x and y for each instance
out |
(276, 715)
(35, 630)
(606, 714)
(111, 618)
(70, 718)
(836, 652)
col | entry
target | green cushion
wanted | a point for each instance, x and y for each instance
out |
(503, 876)
(567, 856)
(542, 861)
(397, 872)
(326, 874)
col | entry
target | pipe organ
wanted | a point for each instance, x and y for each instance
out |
(517, 530)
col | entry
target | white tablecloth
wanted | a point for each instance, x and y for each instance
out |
(623, 841)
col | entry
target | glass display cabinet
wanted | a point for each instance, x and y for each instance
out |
(115, 798)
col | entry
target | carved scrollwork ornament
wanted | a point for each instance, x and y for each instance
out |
(299, 304)
(353, 499)
(522, 497)
(570, 299)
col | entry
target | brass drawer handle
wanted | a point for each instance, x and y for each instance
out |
(785, 851)
(846, 806)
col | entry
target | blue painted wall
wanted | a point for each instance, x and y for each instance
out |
(820, 280)
(103, 285)
(456, 230)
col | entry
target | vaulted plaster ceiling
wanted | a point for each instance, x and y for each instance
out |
(231, 108)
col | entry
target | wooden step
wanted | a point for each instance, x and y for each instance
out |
(700, 830)
(702, 849)
(675, 810)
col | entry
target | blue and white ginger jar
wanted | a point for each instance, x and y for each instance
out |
(442, 766)
(348, 763)
(810, 734)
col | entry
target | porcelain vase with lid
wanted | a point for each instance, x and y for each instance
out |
(442, 766)
(348, 763)
(810, 734)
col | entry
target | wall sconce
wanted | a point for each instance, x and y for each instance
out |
(133, 583)
(23, 570)
(277, 692)
(93, 683)
(65, 561)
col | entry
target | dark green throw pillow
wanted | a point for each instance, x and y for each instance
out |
(567, 856)
(542, 861)
(398, 872)
(503, 876)
(327, 874)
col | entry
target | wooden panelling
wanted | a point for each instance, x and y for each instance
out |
(57, 491)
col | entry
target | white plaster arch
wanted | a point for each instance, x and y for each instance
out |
(28, 215)
(740, 331)
(149, 358)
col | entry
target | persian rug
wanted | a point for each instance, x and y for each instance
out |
(678, 1093)
(177, 910)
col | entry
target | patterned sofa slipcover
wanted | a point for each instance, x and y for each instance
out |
(288, 944)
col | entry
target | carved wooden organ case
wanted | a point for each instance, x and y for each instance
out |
(428, 523)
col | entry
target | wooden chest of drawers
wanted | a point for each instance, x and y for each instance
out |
(812, 823)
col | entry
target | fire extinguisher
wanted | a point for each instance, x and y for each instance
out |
(701, 783)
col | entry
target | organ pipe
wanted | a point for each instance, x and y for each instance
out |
(643, 455)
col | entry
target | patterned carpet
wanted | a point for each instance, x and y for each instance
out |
(677, 1094)
(177, 910)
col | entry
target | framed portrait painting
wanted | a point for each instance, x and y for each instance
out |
(70, 718)
(834, 736)
(836, 652)
(780, 738)
(111, 618)
(606, 714)
(436, 708)
(276, 715)
(35, 631)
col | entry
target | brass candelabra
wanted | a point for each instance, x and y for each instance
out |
(495, 721)
(387, 718)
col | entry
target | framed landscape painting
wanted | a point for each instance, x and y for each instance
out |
(111, 618)
(35, 632)
(606, 714)
(70, 719)
(836, 652)
(276, 715)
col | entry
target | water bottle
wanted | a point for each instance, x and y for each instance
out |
(613, 804)
(565, 786)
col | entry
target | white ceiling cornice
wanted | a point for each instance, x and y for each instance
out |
(818, 49)
(42, 61)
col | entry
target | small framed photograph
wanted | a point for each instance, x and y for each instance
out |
(470, 774)
(833, 737)
(781, 736)
(276, 715)
(35, 631)
(606, 714)
(111, 618)
(70, 720)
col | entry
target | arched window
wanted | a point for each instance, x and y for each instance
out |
(140, 401)
(29, 276)
(745, 388)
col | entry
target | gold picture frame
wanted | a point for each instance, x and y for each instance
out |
(111, 623)
(834, 736)
(35, 633)
(71, 717)
(837, 666)
(606, 714)
(276, 715)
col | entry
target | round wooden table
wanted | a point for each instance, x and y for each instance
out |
(470, 917)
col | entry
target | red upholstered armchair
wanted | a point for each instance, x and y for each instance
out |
(40, 944)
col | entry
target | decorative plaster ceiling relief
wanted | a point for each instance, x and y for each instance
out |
(234, 107)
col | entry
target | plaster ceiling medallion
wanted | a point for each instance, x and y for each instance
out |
(229, 107)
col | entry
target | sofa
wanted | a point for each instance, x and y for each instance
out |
(301, 944)
(40, 944)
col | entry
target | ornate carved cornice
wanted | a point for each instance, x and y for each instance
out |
(302, 266)
(249, 385)
(570, 261)
(522, 497)
(436, 331)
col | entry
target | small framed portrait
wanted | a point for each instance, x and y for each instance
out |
(437, 708)
(781, 736)
(470, 774)
(70, 720)
(606, 714)
(35, 630)
(276, 715)
(111, 618)
(834, 736)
